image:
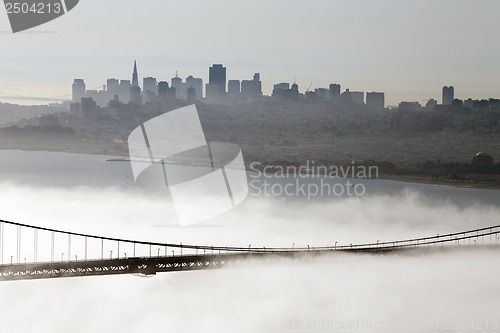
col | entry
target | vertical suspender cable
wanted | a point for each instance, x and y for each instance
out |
(52, 246)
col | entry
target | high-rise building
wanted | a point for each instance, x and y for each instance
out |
(280, 90)
(176, 83)
(448, 95)
(354, 97)
(322, 93)
(78, 90)
(358, 97)
(217, 77)
(135, 76)
(162, 90)
(135, 90)
(135, 94)
(233, 87)
(334, 91)
(197, 84)
(171, 94)
(191, 95)
(88, 105)
(150, 85)
(112, 86)
(375, 100)
(282, 86)
(165, 93)
(124, 91)
(213, 95)
(251, 89)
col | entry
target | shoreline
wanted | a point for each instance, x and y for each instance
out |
(463, 183)
(486, 183)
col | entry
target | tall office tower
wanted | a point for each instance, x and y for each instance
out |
(251, 89)
(78, 90)
(334, 91)
(162, 90)
(293, 93)
(88, 106)
(176, 83)
(150, 85)
(171, 94)
(375, 100)
(282, 86)
(197, 84)
(191, 95)
(112, 86)
(124, 91)
(357, 97)
(135, 94)
(135, 90)
(280, 90)
(135, 76)
(217, 77)
(322, 93)
(212, 93)
(233, 87)
(448, 95)
(257, 85)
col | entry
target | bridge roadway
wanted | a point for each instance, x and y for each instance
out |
(214, 256)
(145, 266)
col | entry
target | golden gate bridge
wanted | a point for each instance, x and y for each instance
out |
(34, 98)
(33, 252)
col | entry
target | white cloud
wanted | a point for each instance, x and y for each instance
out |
(399, 292)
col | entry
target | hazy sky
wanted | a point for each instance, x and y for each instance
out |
(408, 49)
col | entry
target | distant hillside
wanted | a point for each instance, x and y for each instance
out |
(11, 113)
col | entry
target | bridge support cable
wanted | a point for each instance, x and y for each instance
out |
(441, 239)
(69, 247)
(35, 245)
(18, 252)
(52, 235)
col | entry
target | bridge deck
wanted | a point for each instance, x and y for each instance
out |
(152, 265)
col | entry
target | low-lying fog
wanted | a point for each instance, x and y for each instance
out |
(444, 291)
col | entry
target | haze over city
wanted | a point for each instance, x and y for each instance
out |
(407, 50)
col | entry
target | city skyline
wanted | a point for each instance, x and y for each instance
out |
(297, 166)
(220, 90)
(414, 48)
(267, 88)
